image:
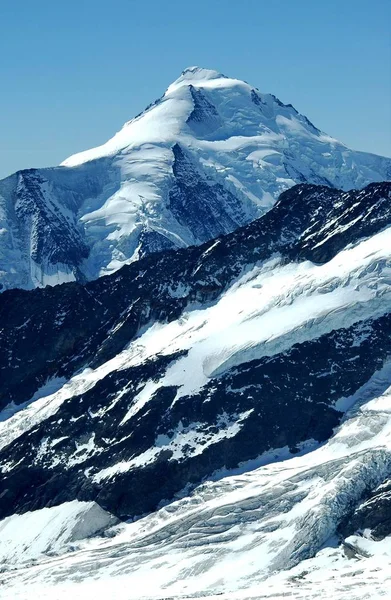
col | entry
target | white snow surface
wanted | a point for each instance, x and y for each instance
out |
(49, 531)
(246, 141)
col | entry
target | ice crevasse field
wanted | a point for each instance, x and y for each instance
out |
(265, 530)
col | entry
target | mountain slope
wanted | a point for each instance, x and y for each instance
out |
(67, 327)
(261, 532)
(195, 359)
(234, 395)
(210, 155)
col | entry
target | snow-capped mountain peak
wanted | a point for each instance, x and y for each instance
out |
(167, 118)
(210, 155)
(196, 96)
(196, 76)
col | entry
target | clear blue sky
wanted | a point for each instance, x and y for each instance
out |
(72, 72)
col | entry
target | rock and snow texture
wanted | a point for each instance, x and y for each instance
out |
(211, 154)
(237, 536)
(230, 401)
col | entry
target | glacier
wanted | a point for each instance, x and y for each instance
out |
(225, 433)
(235, 538)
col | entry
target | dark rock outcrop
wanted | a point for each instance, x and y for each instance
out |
(55, 331)
(273, 402)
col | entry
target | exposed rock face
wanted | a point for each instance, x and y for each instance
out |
(373, 514)
(42, 241)
(199, 203)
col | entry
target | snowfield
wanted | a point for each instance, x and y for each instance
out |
(49, 531)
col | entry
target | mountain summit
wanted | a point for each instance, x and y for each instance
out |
(210, 155)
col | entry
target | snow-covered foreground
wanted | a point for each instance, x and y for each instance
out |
(253, 533)
(242, 532)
